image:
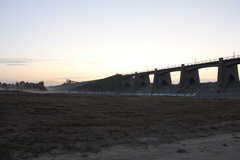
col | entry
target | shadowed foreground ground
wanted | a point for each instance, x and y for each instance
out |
(33, 124)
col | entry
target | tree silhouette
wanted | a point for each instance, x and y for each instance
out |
(24, 86)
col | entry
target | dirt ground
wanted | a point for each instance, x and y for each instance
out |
(33, 125)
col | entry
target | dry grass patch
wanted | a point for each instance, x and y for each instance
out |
(32, 124)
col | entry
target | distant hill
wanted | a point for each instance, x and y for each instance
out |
(111, 84)
(66, 87)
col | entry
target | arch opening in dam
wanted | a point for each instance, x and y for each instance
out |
(175, 77)
(208, 74)
(151, 78)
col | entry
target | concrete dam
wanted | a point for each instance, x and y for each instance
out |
(139, 82)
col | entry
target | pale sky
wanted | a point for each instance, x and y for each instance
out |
(55, 40)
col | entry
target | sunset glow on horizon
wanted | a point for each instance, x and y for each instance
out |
(52, 41)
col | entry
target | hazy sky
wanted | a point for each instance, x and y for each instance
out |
(53, 40)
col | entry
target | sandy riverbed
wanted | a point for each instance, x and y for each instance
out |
(218, 147)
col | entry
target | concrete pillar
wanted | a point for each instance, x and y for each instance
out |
(141, 80)
(136, 81)
(156, 79)
(145, 80)
(165, 79)
(161, 79)
(226, 74)
(128, 82)
(221, 73)
(234, 72)
(188, 76)
(183, 76)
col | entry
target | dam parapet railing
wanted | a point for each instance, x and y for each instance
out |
(185, 64)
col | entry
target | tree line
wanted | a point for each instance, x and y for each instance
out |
(69, 81)
(24, 86)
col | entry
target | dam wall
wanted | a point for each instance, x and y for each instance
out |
(139, 82)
